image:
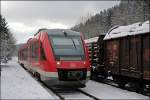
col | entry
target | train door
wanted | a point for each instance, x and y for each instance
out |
(113, 56)
(146, 56)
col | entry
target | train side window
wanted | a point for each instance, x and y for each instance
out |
(32, 50)
(36, 51)
(25, 54)
(22, 54)
(43, 57)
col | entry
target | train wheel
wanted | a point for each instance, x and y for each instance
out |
(38, 76)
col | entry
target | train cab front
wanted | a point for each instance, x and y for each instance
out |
(74, 73)
(71, 57)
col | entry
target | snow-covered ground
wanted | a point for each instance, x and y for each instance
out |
(104, 91)
(16, 83)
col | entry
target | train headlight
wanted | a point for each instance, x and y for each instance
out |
(58, 63)
(84, 62)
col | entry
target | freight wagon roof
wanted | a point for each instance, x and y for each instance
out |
(61, 32)
(94, 39)
(133, 29)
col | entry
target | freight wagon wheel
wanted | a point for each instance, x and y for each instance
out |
(139, 87)
(119, 81)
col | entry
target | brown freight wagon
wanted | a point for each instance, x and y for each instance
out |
(128, 54)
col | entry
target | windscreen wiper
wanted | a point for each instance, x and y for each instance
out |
(71, 39)
(74, 43)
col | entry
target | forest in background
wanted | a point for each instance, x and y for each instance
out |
(127, 12)
(7, 40)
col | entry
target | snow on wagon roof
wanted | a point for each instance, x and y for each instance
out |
(133, 29)
(94, 39)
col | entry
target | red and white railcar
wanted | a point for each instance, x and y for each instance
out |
(57, 56)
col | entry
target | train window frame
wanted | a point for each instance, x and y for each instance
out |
(32, 51)
(57, 57)
(36, 51)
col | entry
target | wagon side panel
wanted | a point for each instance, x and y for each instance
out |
(112, 56)
(135, 57)
(146, 56)
(124, 56)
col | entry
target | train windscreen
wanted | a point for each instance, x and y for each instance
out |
(68, 48)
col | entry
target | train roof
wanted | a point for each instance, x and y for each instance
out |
(60, 32)
(90, 40)
(123, 31)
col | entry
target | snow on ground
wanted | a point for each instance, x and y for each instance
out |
(16, 83)
(104, 91)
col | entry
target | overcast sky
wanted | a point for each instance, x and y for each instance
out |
(26, 17)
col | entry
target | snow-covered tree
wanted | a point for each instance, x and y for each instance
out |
(127, 12)
(7, 40)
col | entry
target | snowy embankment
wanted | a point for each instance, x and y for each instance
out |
(103, 91)
(16, 83)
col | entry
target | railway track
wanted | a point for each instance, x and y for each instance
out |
(65, 93)
(55, 92)
(95, 98)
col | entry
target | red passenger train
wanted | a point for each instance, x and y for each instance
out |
(57, 57)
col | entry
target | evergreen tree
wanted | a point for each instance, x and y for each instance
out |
(127, 12)
(7, 40)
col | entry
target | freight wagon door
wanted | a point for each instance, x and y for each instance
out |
(146, 56)
(113, 56)
(135, 57)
